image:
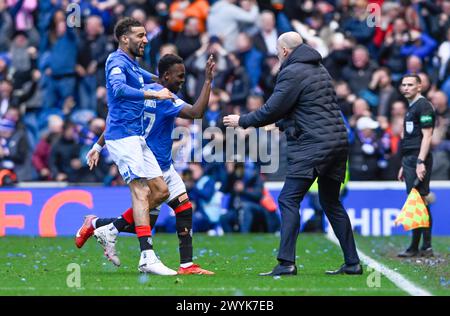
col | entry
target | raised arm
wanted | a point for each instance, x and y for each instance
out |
(279, 104)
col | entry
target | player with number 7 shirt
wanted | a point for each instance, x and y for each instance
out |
(159, 121)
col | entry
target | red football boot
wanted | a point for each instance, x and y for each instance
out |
(194, 269)
(86, 231)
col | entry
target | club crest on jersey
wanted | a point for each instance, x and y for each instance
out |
(409, 127)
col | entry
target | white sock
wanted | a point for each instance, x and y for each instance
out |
(94, 221)
(112, 229)
(186, 265)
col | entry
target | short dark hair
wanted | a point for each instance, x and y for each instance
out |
(416, 76)
(168, 61)
(124, 26)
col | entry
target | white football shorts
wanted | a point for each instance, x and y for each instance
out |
(133, 158)
(174, 183)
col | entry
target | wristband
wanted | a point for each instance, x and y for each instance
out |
(97, 148)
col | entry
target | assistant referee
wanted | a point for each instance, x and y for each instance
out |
(417, 160)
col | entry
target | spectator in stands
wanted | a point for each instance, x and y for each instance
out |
(356, 24)
(65, 155)
(60, 67)
(340, 54)
(444, 70)
(427, 86)
(245, 186)
(41, 154)
(440, 141)
(196, 64)
(444, 20)
(427, 12)
(22, 11)
(251, 58)
(266, 39)
(366, 156)
(102, 108)
(181, 10)
(224, 19)
(16, 152)
(238, 86)
(6, 90)
(94, 48)
(167, 49)
(381, 93)
(188, 41)
(213, 115)
(6, 27)
(393, 128)
(23, 58)
(444, 56)
(311, 38)
(206, 199)
(360, 109)
(88, 135)
(270, 69)
(359, 72)
(414, 65)
(155, 39)
(418, 44)
(345, 98)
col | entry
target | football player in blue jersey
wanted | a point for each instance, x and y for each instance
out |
(159, 121)
(136, 163)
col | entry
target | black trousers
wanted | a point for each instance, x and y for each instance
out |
(292, 194)
(409, 164)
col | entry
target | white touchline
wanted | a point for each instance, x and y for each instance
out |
(399, 280)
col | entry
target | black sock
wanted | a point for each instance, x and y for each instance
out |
(145, 243)
(184, 232)
(120, 223)
(286, 263)
(153, 217)
(130, 228)
(104, 221)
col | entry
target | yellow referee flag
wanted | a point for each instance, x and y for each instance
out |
(414, 213)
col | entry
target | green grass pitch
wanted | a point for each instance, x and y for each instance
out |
(38, 266)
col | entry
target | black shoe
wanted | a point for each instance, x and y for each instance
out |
(408, 253)
(281, 270)
(347, 269)
(428, 252)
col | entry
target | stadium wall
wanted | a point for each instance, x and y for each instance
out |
(58, 211)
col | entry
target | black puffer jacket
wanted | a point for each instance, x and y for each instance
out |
(305, 100)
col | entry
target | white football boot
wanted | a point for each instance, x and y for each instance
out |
(149, 263)
(107, 236)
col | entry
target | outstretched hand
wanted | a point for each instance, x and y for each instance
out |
(209, 69)
(231, 120)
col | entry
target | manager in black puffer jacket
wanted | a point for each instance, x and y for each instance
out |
(304, 104)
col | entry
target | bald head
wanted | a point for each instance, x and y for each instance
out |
(287, 42)
(290, 40)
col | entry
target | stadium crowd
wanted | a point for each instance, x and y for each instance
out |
(53, 96)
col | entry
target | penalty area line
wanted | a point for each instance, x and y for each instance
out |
(399, 280)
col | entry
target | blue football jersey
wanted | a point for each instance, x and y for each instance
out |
(125, 96)
(159, 122)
